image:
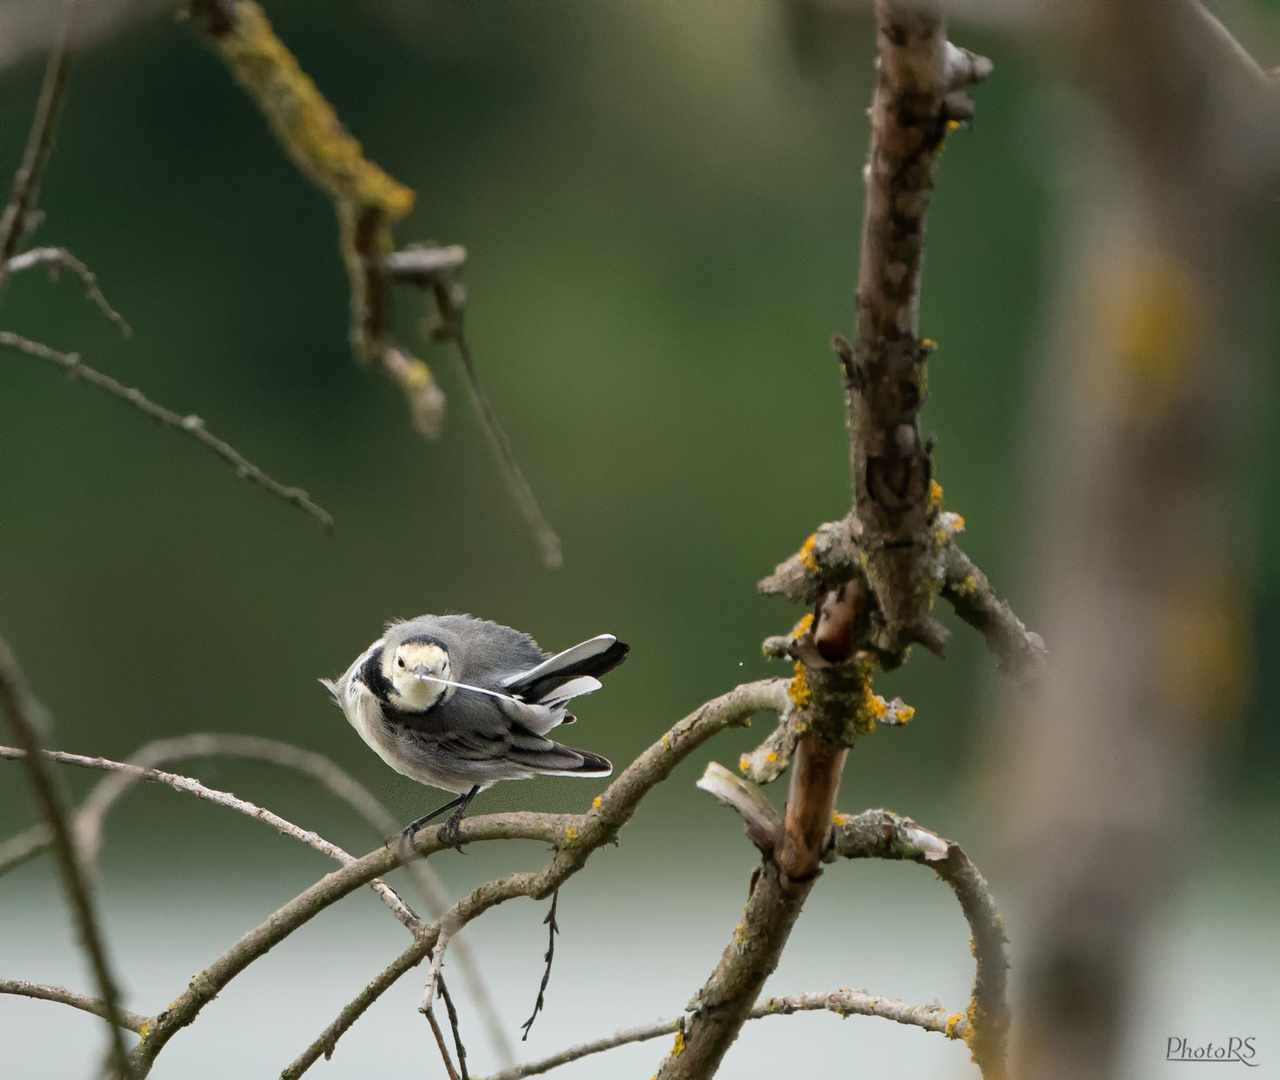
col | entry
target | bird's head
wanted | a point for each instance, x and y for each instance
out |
(419, 672)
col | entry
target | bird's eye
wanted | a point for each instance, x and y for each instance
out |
(400, 660)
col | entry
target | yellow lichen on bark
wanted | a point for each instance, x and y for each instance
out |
(302, 119)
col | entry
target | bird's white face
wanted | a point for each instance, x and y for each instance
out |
(414, 670)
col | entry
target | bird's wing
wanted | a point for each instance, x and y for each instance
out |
(576, 670)
(517, 752)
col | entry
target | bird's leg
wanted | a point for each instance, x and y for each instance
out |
(448, 833)
(461, 802)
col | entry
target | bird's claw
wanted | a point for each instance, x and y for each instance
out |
(449, 834)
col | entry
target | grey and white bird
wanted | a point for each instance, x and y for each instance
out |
(460, 703)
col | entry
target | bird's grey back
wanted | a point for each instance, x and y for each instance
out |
(480, 652)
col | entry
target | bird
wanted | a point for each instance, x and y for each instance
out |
(460, 703)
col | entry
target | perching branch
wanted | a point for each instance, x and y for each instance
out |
(42, 992)
(576, 837)
(192, 425)
(842, 1003)
(21, 711)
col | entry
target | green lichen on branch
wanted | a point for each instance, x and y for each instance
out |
(367, 200)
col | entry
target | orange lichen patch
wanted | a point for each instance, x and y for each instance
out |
(744, 763)
(906, 713)
(1201, 652)
(798, 691)
(974, 1015)
(876, 705)
(678, 1048)
(771, 756)
(304, 122)
(802, 627)
(805, 554)
(838, 818)
(596, 803)
(935, 493)
(953, 125)
(952, 1023)
(571, 833)
(928, 343)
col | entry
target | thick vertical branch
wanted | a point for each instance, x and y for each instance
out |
(883, 565)
(915, 104)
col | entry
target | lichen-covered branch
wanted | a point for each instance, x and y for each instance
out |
(367, 201)
(43, 992)
(1020, 652)
(879, 834)
(21, 710)
(842, 1003)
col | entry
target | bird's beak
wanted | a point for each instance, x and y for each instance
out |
(423, 673)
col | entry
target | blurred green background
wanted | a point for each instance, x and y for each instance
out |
(662, 205)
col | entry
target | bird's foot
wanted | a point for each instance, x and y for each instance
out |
(449, 835)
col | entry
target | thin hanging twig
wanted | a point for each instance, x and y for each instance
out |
(550, 921)
(453, 1023)
(525, 500)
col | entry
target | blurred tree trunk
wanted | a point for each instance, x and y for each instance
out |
(1137, 558)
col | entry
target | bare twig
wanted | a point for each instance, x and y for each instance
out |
(453, 1024)
(20, 710)
(192, 425)
(26, 182)
(131, 1020)
(549, 921)
(576, 837)
(764, 826)
(1020, 652)
(879, 834)
(55, 257)
(842, 1003)
(525, 500)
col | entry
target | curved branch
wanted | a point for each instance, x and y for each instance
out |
(130, 1021)
(387, 894)
(879, 834)
(577, 838)
(842, 1003)
(192, 425)
(337, 781)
